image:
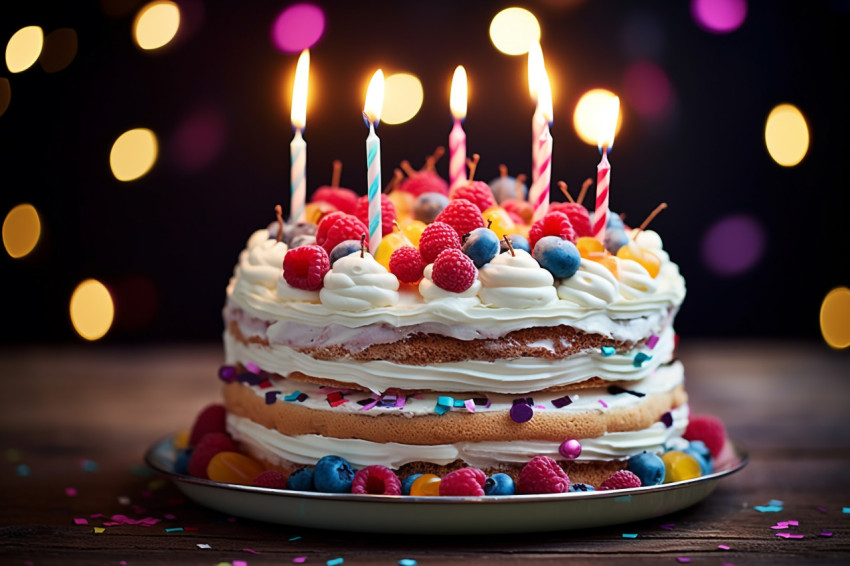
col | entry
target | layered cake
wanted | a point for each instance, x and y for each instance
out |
(457, 345)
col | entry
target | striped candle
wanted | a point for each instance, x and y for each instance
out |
(457, 137)
(603, 181)
(297, 177)
(372, 115)
(537, 124)
(538, 194)
(536, 68)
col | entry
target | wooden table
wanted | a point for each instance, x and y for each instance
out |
(75, 422)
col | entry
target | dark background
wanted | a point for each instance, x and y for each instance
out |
(165, 244)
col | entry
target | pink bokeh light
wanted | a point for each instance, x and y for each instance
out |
(733, 245)
(719, 16)
(199, 139)
(647, 88)
(298, 27)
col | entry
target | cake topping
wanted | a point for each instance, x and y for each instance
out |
(337, 227)
(570, 449)
(435, 238)
(516, 281)
(552, 224)
(453, 271)
(635, 281)
(260, 261)
(430, 291)
(481, 245)
(305, 267)
(358, 283)
(406, 264)
(593, 286)
(558, 256)
(462, 215)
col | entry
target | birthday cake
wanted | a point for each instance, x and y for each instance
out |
(471, 347)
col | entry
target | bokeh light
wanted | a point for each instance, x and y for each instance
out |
(835, 318)
(92, 309)
(786, 135)
(733, 245)
(23, 48)
(60, 48)
(199, 139)
(719, 16)
(648, 90)
(133, 154)
(156, 24)
(514, 30)
(403, 96)
(21, 230)
(298, 27)
(5, 94)
(590, 112)
(643, 37)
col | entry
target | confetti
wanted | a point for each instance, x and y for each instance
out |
(407, 562)
(98, 530)
(630, 535)
(683, 560)
(776, 502)
(653, 340)
(249, 551)
(24, 471)
(668, 526)
(294, 539)
(174, 530)
(240, 563)
(607, 351)
(300, 559)
(603, 403)
(825, 534)
(169, 516)
(70, 492)
(768, 508)
(204, 546)
(335, 562)
(845, 509)
(722, 547)
(788, 535)
(81, 521)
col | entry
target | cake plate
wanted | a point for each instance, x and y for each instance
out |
(442, 515)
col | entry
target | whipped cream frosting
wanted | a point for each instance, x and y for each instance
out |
(516, 281)
(635, 281)
(430, 291)
(358, 283)
(593, 286)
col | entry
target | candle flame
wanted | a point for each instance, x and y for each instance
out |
(298, 113)
(457, 100)
(374, 98)
(544, 94)
(535, 67)
(608, 123)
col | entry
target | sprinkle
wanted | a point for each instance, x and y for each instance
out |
(776, 502)
(401, 402)
(668, 526)
(252, 367)
(617, 390)
(460, 403)
(521, 413)
(845, 509)
(294, 539)
(203, 545)
(630, 535)
(603, 403)
(562, 402)
(768, 508)
(96, 516)
(370, 404)
(81, 521)
(653, 340)
(441, 409)
(825, 534)
(525, 400)
(470, 405)
(227, 374)
(240, 563)
(23, 471)
(70, 492)
(445, 401)
(174, 530)
(722, 547)
(335, 562)
(640, 358)
(299, 559)
(292, 396)
(683, 559)
(169, 516)
(265, 384)
(337, 402)
(389, 400)
(667, 419)
(98, 530)
(608, 351)
(789, 535)
(407, 562)
(249, 551)
(89, 465)
(794, 523)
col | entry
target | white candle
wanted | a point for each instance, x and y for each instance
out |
(607, 127)
(372, 114)
(457, 137)
(538, 194)
(298, 147)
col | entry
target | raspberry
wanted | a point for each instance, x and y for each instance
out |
(424, 182)
(211, 419)
(348, 227)
(270, 478)
(210, 445)
(325, 224)
(453, 271)
(542, 475)
(376, 480)
(435, 238)
(465, 481)
(709, 429)
(461, 215)
(621, 479)
(477, 192)
(578, 216)
(342, 199)
(361, 211)
(406, 264)
(552, 224)
(305, 267)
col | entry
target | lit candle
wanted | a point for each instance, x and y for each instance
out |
(607, 126)
(298, 147)
(538, 194)
(535, 68)
(372, 116)
(457, 137)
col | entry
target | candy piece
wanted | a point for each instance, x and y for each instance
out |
(376, 480)
(648, 467)
(305, 267)
(481, 246)
(542, 475)
(621, 479)
(333, 474)
(435, 238)
(521, 413)
(709, 429)
(570, 449)
(406, 264)
(210, 445)
(461, 215)
(499, 484)
(463, 482)
(680, 466)
(270, 478)
(650, 261)
(301, 480)
(408, 481)
(426, 485)
(558, 256)
(453, 271)
(233, 467)
(210, 419)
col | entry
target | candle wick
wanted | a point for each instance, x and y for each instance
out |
(278, 211)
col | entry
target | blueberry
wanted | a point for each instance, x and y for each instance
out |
(481, 245)
(344, 248)
(558, 256)
(574, 487)
(499, 484)
(301, 480)
(648, 467)
(291, 232)
(408, 481)
(702, 455)
(505, 187)
(615, 238)
(518, 242)
(428, 206)
(333, 475)
(181, 463)
(614, 221)
(302, 240)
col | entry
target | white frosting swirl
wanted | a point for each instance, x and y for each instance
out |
(287, 292)
(261, 262)
(593, 286)
(358, 283)
(430, 292)
(635, 281)
(516, 281)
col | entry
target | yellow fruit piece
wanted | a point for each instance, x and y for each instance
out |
(650, 261)
(314, 211)
(426, 485)
(403, 203)
(388, 245)
(610, 262)
(413, 230)
(680, 466)
(588, 246)
(181, 439)
(500, 221)
(233, 467)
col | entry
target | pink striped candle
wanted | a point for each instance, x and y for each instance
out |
(538, 194)
(603, 181)
(457, 137)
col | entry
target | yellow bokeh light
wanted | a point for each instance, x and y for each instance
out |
(133, 154)
(835, 318)
(403, 96)
(156, 24)
(514, 30)
(23, 48)
(786, 135)
(590, 113)
(92, 310)
(21, 230)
